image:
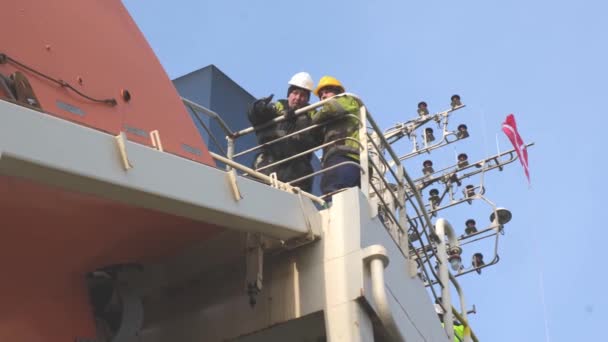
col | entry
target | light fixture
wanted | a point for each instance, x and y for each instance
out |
(428, 134)
(455, 262)
(434, 198)
(470, 227)
(423, 109)
(462, 132)
(427, 167)
(463, 160)
(454, 258)
(455, 101)
(477, 262)
(504, 216)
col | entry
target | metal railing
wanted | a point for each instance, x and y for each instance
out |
(197, 109)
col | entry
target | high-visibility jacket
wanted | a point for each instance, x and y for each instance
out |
(347, 126)
(458, 332)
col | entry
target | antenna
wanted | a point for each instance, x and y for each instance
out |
(459, 182)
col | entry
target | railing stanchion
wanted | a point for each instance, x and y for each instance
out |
(363, 153)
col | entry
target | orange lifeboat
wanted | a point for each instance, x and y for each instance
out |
(85, 62)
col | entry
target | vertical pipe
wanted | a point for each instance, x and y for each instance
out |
(380, 300)
(374, 158)
(444, 275)
(229, 150)
(363, 156)
(404, 242)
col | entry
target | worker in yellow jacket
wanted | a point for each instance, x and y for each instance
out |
(458, 332)
(341, 126)
(458, 328)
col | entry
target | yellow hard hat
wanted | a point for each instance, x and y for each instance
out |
(328, 81)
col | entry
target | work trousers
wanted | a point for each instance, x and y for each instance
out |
(345, 176)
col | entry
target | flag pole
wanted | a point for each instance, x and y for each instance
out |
(497, 146)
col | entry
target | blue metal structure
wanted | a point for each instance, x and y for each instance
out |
(211, 88)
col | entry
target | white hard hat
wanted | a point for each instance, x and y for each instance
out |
(302, 80)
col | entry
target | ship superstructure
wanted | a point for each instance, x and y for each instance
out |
(120, 225)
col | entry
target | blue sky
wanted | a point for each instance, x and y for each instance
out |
(544, 61)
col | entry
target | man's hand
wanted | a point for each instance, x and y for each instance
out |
(261, 110)
(263, 104)
(267, 99)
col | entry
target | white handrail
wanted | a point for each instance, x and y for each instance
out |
(265, 178)
(210, 113)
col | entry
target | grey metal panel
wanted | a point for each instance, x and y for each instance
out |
(53, 151)
(310, 328)
(196, 86)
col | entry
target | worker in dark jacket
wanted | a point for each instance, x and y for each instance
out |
(263, 110)
(342, 126)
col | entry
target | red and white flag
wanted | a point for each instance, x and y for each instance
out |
(510, 129)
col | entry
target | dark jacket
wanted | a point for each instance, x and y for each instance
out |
(298, 143)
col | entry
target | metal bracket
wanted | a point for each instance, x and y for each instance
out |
(274, 181)
(234, 187)
(472, 311)
(255, 266)
(156, 143)
(121, 140)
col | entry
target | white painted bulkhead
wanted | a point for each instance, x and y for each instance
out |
(318, 292)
